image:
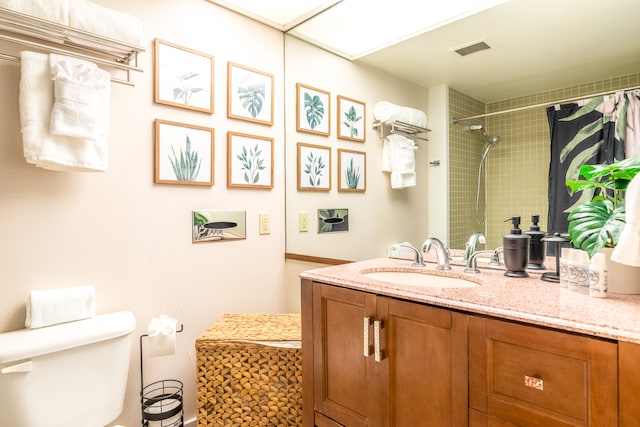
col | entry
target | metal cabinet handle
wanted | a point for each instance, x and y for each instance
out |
(534, 382)
(377, 353)
(365, 335)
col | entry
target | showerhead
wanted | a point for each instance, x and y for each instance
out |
(491, 140)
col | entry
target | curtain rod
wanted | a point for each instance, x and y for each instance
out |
(545, 104)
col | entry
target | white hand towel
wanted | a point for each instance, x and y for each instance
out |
(627, 251)
(88, 16)
(401, 160)
(54, 306)
(56, 11)
(78, 90)
(162, 336)
(388, 112)
(41, 147)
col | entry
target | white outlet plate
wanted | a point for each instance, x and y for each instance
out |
(303, 222)
(264, 223)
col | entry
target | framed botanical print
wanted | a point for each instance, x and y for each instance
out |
(312, 110)
(351, 119)
(183, 153)
(249, 94)
(352, 170)
(183, 77)
(314, 167)
(249, 161)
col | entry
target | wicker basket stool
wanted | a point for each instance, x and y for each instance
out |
(249, 371)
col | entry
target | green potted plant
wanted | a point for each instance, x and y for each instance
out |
(597, 224)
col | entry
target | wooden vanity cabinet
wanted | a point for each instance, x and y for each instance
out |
(377, 361)
(522, 375)
(629, 383)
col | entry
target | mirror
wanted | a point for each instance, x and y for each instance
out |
(541, 52)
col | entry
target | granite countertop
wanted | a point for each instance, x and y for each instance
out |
(530, 300)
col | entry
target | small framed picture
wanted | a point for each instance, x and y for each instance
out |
(352, 167)
(183, 154)
(314, 167)
(351, 119)
(183, 77)
(249, 94)
(313, 108)
(249, 161)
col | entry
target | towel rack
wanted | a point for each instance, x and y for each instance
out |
(29, 31)
(401, 128)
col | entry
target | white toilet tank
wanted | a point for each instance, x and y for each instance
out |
(68, 375)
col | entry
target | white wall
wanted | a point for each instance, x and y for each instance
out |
(131, 238)
(378, 217)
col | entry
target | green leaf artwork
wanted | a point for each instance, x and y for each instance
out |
(186, 166)
(252, 95)
(314, 169)
(352, 175)
(252, 163)
(314, 110)
(185, 91)
(351, 119)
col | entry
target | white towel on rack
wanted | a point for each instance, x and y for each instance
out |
(400, 160)
(388, 112)
(40, 147)
(55, 11)
(79, 88)
(88, 16)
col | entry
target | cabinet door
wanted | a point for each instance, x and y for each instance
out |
(343, 375)
(425, 365)
(629, 363)
(525, 375)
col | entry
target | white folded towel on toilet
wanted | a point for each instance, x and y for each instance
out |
(55, 11)
(627, 251)
(398, 157)
(388, 112)
(88, 16)
(54, 306)
(40, 147)
(79, 87)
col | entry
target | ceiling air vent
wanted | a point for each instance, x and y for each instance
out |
(476, 47)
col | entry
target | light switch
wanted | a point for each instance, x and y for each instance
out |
(264, 223)
(303, 222)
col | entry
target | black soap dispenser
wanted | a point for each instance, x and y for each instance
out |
(516, 250)
(536, 245)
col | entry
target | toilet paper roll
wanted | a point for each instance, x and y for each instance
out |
(162, 336)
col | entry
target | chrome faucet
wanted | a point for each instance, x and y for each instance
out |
(442, 253)
(419, 261)
(472, 244)
(495, 258)
(472, 262)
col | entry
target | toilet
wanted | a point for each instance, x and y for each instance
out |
(68, 375)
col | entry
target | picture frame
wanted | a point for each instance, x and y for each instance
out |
(249, 94)
(351, 119)
(313, 110)
(249, 161)
(352, 170)
(183, 77)
(184, 154)
(314, 167)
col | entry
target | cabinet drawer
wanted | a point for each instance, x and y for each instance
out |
(540, 377)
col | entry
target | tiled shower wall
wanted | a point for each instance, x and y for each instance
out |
(517, 167)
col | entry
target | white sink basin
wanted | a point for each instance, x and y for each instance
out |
(420, 279)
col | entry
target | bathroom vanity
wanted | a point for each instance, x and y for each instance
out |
(499, 352)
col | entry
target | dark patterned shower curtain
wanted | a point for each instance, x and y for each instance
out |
(591, 132)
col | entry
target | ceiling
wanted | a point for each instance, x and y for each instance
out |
(536, 45)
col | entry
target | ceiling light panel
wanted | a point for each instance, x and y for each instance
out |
(354, 28)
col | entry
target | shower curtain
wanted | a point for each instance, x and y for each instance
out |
(599, 130)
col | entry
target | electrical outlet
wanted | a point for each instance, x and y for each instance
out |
(264, 223)
(303, 222)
